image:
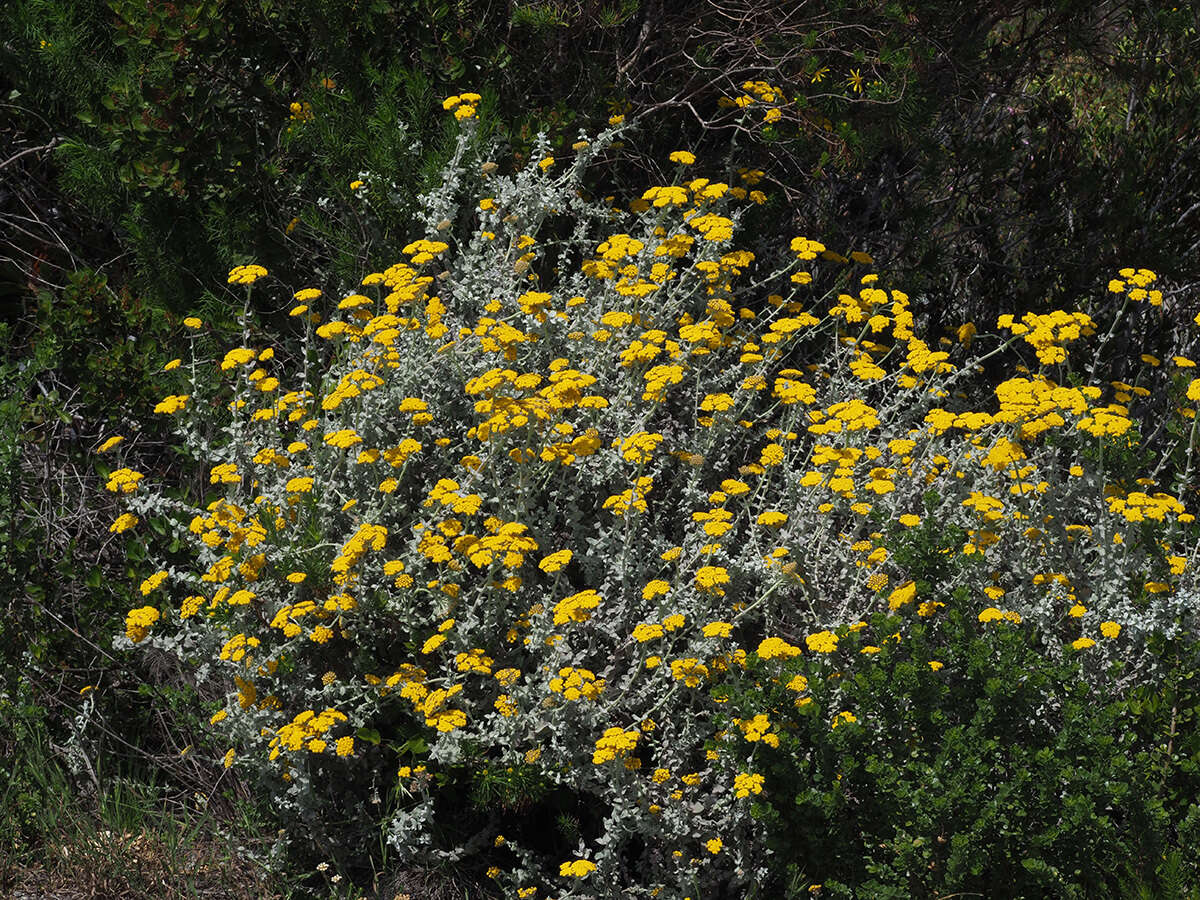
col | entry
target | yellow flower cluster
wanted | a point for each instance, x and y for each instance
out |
(464, 105)
(123, 522)
(690, 671)
(822, 642)
(299, 111)
(632, 498)
(238, 356)
(1048, 334)
(991, 614)
(613, 743)
(574, 683)
(758, 729)
(306, 731)
(554, 562)
(1133, 283)
(745, 784)
(138, 622)
(776, 648)
(576, 608)
(123, 481)
(246, 274)
(367, 537)
(225, 473)
(1138, 506)
(640, 447)
(153, 582)
(579, 868)
(710, 578)
(171, 404)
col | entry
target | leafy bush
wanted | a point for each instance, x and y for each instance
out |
(533, 511)
(962, 758)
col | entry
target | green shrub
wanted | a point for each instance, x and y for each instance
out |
(975, 762)
(548, 492)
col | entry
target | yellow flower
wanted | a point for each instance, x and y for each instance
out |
(773, 647)
(344, 746)
(576, 608)
(343, 438)
(579, 868)
(647, 631)
(745, 784)
(690, 671)
(771, 455)
(123, 481)
(236, 357)
(246, 274)
(123, 522)
(714, 845)
(822, 642)
(1083, 643)
(433, 643)
(709, 578)
(139, 622)
(799, 684)
(841, 717)
(555, 561)
(655, 588)
(225, 473)
(615, 742)
(1110, 629)
(153, 582)
(172, 404)
(683, 157)
(854, 81)
(110, 443)
(902, 595)
(299, 485)
(192, 322)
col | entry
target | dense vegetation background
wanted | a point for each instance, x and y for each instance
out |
(988, 156)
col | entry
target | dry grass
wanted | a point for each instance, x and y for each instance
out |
(147, 864)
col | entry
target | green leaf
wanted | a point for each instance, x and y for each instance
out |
(415, 745)
(370, 735)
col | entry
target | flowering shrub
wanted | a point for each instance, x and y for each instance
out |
(540, 499)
